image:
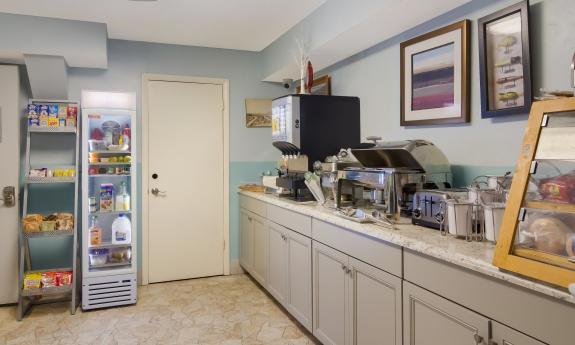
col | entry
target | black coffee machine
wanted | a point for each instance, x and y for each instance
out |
(308, 128)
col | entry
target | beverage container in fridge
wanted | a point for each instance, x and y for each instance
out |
(122, 230)
(95, 232)
(123, 198)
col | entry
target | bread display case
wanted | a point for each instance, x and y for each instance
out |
(537, 236)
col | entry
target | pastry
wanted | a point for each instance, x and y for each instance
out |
(549, 234)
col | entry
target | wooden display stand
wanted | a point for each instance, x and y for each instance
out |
(550, 137)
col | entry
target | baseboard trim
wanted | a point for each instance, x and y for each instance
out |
(235, 267)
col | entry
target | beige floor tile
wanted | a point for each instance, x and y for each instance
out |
(230, 310)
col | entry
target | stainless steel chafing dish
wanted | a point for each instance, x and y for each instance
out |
(391, 174)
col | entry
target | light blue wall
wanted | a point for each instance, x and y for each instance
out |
(251, 151)
(82, 44)
(484, 145)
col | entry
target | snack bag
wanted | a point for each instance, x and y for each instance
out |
(49, 280)
(64, 278)
(32, 280)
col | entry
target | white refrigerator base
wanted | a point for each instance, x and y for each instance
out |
(109, 291)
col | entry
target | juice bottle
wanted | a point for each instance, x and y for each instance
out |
(95, 232)
(123, 198)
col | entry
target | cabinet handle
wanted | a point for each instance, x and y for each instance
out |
(478, 339)
(349, 271)
(343, 267)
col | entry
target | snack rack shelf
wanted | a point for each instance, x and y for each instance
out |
(28, 297)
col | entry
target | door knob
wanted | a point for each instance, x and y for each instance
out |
(157, 192)
(9, 196)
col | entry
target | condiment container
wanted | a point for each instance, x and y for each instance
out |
(460, 218)
(493, 215)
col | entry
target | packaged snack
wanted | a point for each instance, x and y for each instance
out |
(42, 172)
(62, 115)
(49, 280)
(32, 280)
(53, 115)
(48, 225)
(64, 278)
(558, 189)
(32, 222)
(43, 115)
(72, 114)
(106, 197)
(33, 119)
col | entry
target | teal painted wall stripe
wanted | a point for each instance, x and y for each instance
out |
(240, 172)
(463, 175)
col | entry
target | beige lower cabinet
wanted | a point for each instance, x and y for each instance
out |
(246, 240)
(431, 320)
(289, 271)
(254, 245)
(503, 335)
(260, 249)
(354, 303)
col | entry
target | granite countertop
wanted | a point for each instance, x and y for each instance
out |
(476, 256)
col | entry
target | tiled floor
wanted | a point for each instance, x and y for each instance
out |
(220, 310)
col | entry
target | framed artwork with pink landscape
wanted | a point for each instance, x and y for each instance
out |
(435, 77)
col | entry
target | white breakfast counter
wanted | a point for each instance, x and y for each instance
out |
(475, 256)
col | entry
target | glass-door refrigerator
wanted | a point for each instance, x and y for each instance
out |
(109, 199)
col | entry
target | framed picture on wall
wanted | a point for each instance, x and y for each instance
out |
(435, 77)
(258, 113)
(505, 62)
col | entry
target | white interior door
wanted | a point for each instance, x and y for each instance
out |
(9, 174)
(186, 166)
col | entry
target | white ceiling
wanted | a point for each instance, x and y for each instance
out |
(233, 24)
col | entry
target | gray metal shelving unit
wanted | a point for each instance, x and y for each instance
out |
(29, 297)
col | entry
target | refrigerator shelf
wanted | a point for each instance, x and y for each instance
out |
(111, 265)
(109, 175)
(109, 245)
(111, 152)
(64, 179)
(54, 233)
(47, 291)
(109, 213)
(109, 163)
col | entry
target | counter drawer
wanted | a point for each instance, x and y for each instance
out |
(290, 219)
(253, 205)
(534, 314)
(383, 255)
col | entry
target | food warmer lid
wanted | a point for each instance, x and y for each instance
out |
(419, 155)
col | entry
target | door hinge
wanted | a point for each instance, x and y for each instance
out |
(224, 244)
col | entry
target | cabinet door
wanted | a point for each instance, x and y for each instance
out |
(260, 245)
(432, 320)
(330, 289)
(376, 312)
(299, 288)
(246, 241)
(503, 335)
(277, 263)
